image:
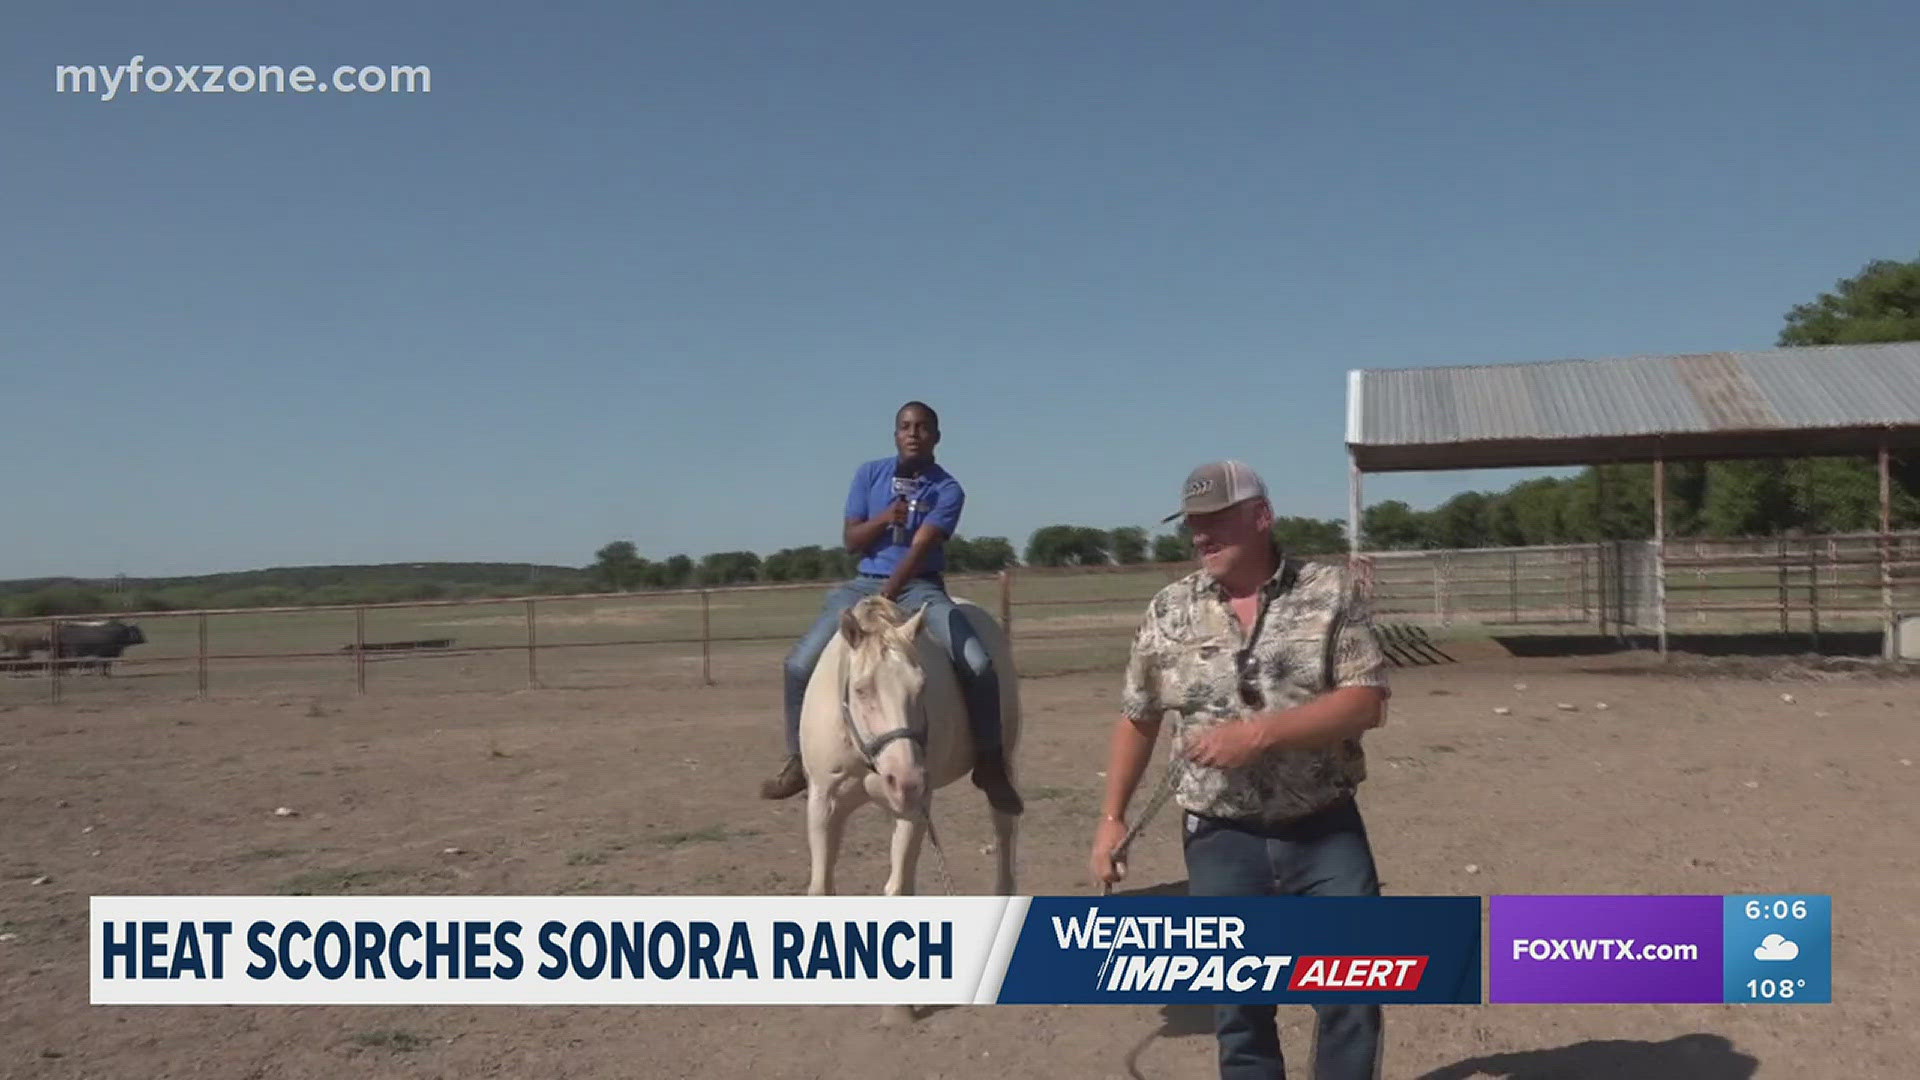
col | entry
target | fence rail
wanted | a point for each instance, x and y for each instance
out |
(1060, 619)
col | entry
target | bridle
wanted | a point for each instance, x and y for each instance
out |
(914, 730)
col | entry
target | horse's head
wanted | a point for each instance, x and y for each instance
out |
(883, 707)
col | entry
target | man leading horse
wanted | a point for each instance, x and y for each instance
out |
(900, 513)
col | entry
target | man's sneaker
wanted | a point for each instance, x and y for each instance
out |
(990, 776)
(791, 781)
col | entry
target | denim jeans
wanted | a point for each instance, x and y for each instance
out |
(945, 624)
(1324, 854)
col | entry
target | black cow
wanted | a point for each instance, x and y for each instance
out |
(104, 640)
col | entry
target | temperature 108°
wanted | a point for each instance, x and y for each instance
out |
(1778, 909)
(1774, 988)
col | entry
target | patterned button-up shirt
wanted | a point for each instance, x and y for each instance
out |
(1314, 633)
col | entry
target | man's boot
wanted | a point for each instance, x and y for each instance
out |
(791, 781)
(990, 776)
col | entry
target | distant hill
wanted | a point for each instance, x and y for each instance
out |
(288, 586)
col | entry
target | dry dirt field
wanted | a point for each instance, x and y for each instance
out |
(1699, 779)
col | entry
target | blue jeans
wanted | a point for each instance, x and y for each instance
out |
(1324, 854)
(945, 624)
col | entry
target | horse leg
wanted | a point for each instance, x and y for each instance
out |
(827, 813)
(907, 834)
(1005, 834)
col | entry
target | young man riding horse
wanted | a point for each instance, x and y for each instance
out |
(900, 513)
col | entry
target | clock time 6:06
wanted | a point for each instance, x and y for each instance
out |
(1779, 909)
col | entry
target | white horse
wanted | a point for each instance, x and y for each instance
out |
(884, 720)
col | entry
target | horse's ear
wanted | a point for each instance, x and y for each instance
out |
(850, 628)
(911, 628)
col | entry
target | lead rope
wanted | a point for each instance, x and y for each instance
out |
(933, 837)
(1154, 804)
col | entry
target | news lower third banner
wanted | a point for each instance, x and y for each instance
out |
(732, 950)
(977, 950)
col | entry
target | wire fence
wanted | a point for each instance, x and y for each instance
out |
(1061, 620)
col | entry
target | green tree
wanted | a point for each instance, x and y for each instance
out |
(1068, 545)
(1309, 536)
(619, 566)
(1461, 522)
(1129, 545)
(1172, 548)
(730, 568)
(1758, 498)
(990, 554)
(677, 573)
(838, 563)
(778, 566)
(1394, 526)
(1880, 303)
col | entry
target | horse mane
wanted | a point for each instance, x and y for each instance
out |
(879, 621)
(877, 615)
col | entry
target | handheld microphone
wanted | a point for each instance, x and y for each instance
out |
(906, 484)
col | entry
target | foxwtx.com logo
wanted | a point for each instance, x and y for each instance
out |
(1197, 953)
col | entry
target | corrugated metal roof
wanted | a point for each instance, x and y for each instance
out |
(1783, 390)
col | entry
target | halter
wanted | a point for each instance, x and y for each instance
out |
(913, 732)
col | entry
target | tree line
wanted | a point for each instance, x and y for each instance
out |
(1734, 498)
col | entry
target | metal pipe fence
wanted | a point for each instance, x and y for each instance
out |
(1063, 619)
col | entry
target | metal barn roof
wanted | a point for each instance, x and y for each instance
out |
(1839, 399)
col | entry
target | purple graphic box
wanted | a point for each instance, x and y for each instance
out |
(1605, 949)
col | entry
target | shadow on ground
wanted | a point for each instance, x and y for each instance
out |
(1176, 1022)
(1688, 1057)
(1848, 643)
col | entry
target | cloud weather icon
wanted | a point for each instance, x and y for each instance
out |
(1775, 947)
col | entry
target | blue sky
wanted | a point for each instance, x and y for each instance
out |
(663, 271)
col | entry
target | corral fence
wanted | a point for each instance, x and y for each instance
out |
(1787, 585)
(1061, 620)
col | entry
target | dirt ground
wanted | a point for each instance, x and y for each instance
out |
(1700, 780)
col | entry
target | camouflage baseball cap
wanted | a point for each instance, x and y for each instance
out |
(1217, 485)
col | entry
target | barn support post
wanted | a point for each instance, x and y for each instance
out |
(1781, 556)
(706, 639)
(53, 660)
(1660, 546)
(201, 659)
(1813, 593)
(1600, 538)
(1889, 646)
(1353, 508)
(1586, 597)
(1513, 586)
(360, 649)
(533, 671)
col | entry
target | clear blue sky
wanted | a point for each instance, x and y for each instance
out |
(662, 271)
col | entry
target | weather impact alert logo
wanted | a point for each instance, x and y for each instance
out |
(1159, 953)
(1141, 949)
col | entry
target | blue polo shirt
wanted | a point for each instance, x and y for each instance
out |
(937, 499)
